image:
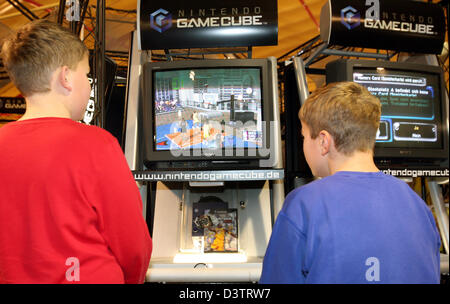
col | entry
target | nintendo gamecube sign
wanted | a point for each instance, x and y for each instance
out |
(160, 20)
(399, 25)
(210, 23)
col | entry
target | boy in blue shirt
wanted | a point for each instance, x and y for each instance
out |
(356, 224)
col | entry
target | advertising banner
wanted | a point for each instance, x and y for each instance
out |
(207, 23)
(408, 26)
(11, 108)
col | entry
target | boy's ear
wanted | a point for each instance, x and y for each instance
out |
(325, 142)
(63, 79)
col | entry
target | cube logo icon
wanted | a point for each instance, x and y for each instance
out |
(350, 17)
(160, 20)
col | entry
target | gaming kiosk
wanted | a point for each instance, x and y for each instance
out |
(203, 140)
(413, 137)
(414, 128)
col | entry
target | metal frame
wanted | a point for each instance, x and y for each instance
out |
(99, 55)
(300, 78)
(169, 54)
(440, 212)
(135, 60)
(277, 185)
(323, 49)
(62, 5)
(23, 9)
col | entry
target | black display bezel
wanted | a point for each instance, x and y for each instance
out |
(343, 69)
(151, 155)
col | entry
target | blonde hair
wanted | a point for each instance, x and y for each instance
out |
(36, 50)
(348, 111)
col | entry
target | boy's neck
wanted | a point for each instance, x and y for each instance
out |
(357, 162)
(45, 105)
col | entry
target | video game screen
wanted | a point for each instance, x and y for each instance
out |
(210, 108)
(410, 104)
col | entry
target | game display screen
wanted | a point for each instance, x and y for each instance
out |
(411, 106)
(207, 108)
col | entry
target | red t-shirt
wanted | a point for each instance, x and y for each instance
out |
(70, 210)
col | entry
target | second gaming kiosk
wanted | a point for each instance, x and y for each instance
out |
(413, 137)
(203, 139)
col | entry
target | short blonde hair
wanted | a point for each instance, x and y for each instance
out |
(36, 50)
(348, 111)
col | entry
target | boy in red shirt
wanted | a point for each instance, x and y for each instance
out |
(70, 211)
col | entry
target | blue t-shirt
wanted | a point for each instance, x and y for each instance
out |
(353, 227)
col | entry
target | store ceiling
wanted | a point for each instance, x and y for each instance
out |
(297, 23)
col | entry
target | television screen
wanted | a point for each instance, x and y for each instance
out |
(411, 113)
(413, 122)
(209, 113)
(207, 108)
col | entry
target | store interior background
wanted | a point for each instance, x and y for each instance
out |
(298, 23)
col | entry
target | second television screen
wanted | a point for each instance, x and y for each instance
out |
(207, 108)
(411, 114)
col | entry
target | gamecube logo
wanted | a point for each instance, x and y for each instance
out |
(160, 20)
(350, 17)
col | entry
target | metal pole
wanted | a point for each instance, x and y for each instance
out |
(44, 7)
(300, 78)
(303, 47)
(83, 7)
(26, 9)
(20, 10)
(62, 6)
(439, 210)
(319, 51)
(276, 149)
(100, 59)
(355, 54)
